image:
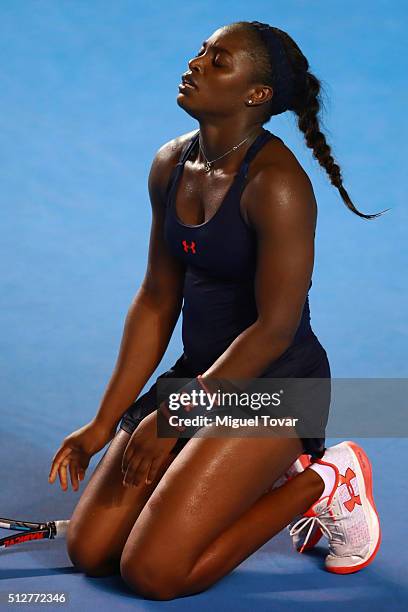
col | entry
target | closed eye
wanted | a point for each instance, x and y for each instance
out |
(214, 62)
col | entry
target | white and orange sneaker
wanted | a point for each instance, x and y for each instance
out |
(348, 516)
(299, 537)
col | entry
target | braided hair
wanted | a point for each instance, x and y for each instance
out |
(281, 64)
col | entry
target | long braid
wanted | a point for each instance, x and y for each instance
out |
(305, 102)
(307, 109)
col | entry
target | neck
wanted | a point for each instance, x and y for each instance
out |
(216, 140)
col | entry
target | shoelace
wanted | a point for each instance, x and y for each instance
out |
(324, 519)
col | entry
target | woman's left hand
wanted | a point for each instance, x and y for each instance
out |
(145, 452)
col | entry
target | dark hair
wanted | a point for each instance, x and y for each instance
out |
(306, 99)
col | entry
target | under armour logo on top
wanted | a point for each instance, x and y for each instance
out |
(354, 499)
(186, 246)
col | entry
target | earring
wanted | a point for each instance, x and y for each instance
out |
(249, 101)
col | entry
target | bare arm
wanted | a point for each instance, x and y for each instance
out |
(155, 309)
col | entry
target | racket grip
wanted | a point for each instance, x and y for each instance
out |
(60, 528)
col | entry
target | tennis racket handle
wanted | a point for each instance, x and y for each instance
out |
(60, 528)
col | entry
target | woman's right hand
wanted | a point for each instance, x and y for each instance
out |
(76, 451)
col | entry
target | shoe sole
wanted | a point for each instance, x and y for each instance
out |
(364, 474)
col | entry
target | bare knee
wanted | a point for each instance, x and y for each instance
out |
(150, 580)
(87, 559)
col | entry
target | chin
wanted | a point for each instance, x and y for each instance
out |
(182, 101)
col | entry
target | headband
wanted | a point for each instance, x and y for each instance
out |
(283, 77)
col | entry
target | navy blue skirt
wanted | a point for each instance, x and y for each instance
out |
(306, 359)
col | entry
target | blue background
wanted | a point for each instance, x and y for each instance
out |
(88, 96)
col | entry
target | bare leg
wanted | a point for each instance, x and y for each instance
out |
(106, 512)
(267, 517)
(210, 512)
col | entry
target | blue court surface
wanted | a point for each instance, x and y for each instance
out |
(88, 94)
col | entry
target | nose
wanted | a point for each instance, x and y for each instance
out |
(194, 64)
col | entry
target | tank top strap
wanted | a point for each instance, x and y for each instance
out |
(258, 143)
(187, 148)
(185, 152)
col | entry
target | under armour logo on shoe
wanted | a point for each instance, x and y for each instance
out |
(354, 499)
(186, 246)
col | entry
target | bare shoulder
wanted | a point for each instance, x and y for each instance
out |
(165, 159)
(278, 186)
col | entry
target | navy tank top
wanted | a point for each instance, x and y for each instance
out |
(220, 256)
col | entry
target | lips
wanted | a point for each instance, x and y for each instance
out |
(187, 80)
